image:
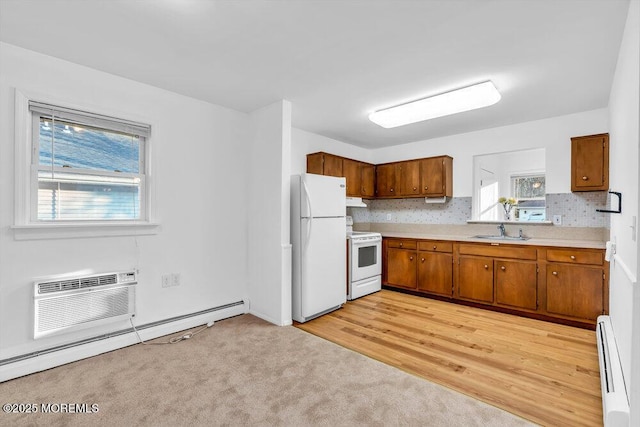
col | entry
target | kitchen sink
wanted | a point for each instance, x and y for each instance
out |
(498, 237)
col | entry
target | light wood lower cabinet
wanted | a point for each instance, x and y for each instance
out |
(516, 284)
(475, 278)
(565, 285)
(575, 291)
(435, 273)
(402, 268)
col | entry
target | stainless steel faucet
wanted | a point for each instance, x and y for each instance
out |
(501, 229)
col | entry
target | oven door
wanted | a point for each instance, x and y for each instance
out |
(366, 258)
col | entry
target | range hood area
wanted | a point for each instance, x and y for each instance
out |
(355, 202)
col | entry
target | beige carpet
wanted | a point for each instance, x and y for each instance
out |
(244, 371)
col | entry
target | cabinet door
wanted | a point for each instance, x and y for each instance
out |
(401, 268)
(352, 173)
(475, 278)
(314, 163)
(410, 178)
(516, 284)
(386, 180)
(332, 165)
(590, 163)
(576, 291)
(435, 273)
(432, 177)
(368, 180)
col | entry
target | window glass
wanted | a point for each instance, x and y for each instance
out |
(88, 168)
(64, 144)
(529, 187)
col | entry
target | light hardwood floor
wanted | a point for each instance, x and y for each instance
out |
(541, 371)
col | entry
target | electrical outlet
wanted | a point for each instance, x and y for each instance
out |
(557, 220)
(175, 279)
(166, 280)
(388, 217)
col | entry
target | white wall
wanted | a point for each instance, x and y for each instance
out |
(269, 259)
(552, 134)
(198, 157)
(624, 106)
(303, 143)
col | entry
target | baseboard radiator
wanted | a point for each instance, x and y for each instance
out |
(615, 404)
(74, 303)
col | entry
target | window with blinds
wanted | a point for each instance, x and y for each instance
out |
(86, 167)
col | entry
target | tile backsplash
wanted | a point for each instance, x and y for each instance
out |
(577, 210)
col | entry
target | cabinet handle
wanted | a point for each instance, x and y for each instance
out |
(401, 244)
(410, 258)
(585, 178)
(555, 273)
(503, 268)
(434, 247)
(486, 267)
(426, 188)
(422, 260)
(572, 257)
(391, 190)
(415, 188)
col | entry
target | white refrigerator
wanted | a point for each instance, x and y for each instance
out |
(318, 239)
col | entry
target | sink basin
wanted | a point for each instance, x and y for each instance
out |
(496, 237)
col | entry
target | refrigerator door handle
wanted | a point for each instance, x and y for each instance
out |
(308, 199)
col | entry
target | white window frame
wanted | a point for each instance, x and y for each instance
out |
(26, 226)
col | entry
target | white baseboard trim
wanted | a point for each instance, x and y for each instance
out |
(67, 355)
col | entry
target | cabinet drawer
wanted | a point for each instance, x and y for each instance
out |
(435, 246)
(499, 251)
(575, 256)
(402, 244)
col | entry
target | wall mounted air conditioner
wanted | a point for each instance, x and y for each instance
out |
(73, 303)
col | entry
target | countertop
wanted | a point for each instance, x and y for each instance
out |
(534, 241)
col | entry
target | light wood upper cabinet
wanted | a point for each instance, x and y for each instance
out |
(324, 164)
(368, 179)
(360, 176)
(436, 176)
(410, 178)
(315, 163)
(590, 163)
(386, 180)
(428, 177)
(352, 171)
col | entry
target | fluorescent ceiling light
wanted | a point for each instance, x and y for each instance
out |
(465, 99)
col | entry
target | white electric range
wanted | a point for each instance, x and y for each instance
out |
(365, 263)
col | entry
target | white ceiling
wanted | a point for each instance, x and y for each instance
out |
(337, 61)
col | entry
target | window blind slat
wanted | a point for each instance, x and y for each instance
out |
(91, 119)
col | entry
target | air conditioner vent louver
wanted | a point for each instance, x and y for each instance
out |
(108, 279)
(82, 302)
(45, 288)
(70, 284)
